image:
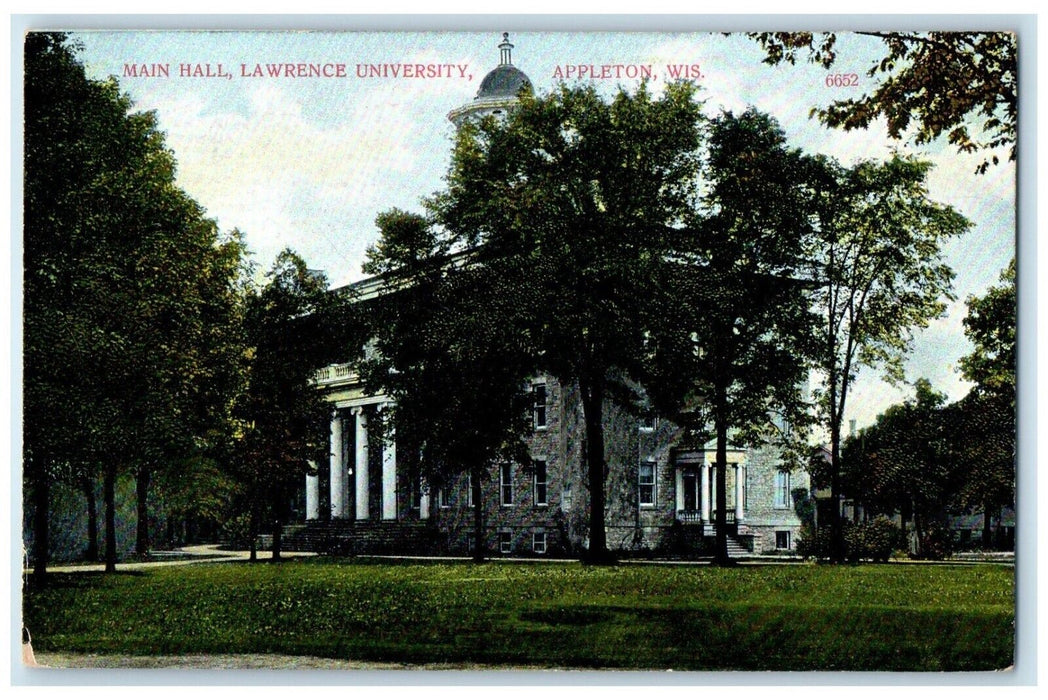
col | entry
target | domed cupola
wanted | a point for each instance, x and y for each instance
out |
(499, 89)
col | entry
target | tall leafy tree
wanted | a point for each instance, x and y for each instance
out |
(986, 417)
(122, 275)
(959, 84)
(990, 325)
(284, 419)
(578, 196)
(902, 464)
(452, 351)
(878, 262)
(731, 328)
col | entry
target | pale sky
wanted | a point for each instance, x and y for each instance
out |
(308, 163)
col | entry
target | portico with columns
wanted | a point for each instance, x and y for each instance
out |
(363, 478)
(696, 488)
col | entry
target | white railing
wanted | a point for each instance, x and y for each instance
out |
(335, 374)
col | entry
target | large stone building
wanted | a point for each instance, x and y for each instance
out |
(660, 491)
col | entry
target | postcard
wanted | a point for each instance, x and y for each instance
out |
(519, 349)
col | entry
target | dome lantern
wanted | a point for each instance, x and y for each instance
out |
(498, 90)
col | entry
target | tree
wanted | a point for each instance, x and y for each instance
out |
(577, 195)
(939, 82)
(122, 275)
(456, 369)
(284, 419)
(985, 418)
(878, 262)
(902, 464)
(731, 326)
(990, 325)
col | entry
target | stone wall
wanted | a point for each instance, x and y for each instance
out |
(562, 522)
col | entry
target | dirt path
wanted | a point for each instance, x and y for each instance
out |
(195, 554)
(277, 662)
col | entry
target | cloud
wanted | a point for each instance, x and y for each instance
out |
(261, 170)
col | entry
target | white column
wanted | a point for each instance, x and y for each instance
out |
(312, 495)
(740, 487)
(705, 495)
(338, 473)
(423, 503)
(361, 462)
(679, 497)
(389, 477)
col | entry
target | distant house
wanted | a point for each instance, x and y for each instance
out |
(968, 529)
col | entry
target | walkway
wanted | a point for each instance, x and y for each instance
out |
(194, 554)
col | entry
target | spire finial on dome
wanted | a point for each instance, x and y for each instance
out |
(505, 50)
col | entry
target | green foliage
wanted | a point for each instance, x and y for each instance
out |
(574, 199)
(450, 347)
(284, 419)
(900, 464)
(982, 431)
(936, 541)
(871, 540)
(990, 325)
(128, 287)
(878, 257)
(884, 618)
(874, 540)
(983, 424)
(930, 84)
(729, 323)
(924, 460)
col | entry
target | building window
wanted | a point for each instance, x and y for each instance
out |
(782, 489)
(540, 483)
(505, 542)
(565, 498)
(538, 542)
(782, 539)
(442, 498)
(538, 412)
(649, 423)
(646, 483)
(506, 484)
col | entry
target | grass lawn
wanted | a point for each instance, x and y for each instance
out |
(802, 617)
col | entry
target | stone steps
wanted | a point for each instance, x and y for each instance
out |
(736, 550)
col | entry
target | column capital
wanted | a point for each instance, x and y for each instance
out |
(357, 411)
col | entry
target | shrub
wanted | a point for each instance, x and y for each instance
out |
(873, 540)
(814, 543)
(936, 542)
(236, 532)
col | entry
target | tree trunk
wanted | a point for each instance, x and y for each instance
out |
(278, 532)
(252, 535)
(837, 553)
(593, 412)
(478, 517)
(41, 541)
(987, 533)
(88, 486)
(109, 494)
(142, 493)
(720, 554)
(919, 532)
